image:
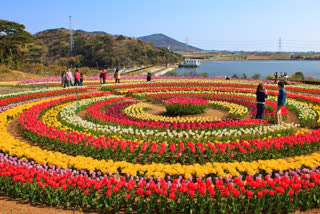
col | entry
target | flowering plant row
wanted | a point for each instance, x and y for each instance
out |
(187, 152)
(20, 149)
(241, 99)
(2, 96)
(131, 150)
(159, 95)
(308, 113)
(139, 110)
(28, 96)
(213, 84)
(114, 114)
(234, 110)
(289, 191)
(69, 119)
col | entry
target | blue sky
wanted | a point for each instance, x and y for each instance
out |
(208, 24)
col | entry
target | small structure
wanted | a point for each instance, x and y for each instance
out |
(190, 63)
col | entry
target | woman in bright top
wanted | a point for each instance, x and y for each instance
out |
(281, 101)
(261, 94)
(77, 77)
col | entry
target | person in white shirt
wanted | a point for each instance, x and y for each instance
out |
(69, 77)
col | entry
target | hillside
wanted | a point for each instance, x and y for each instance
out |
(94, 49)
(161, 40)
(13, 75)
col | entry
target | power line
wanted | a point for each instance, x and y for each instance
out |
(279, 44)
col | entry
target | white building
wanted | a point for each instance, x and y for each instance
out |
(192, 62)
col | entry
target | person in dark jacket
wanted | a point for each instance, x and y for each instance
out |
(281, 101)
(148, 77)
(81, 79)
(275, 77)
(261, 94)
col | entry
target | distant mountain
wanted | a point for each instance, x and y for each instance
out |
(94, 49)
(161, 40)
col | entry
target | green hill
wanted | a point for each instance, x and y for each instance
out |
(94, 49)
(161, 40)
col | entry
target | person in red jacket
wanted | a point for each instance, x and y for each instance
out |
(77, 77)
(104, 76)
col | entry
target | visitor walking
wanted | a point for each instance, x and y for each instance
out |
(65, 81)
(285, 78)
(261, 95)
(275, 77)
(117, 75)
(100, 76)
(63, 78)
(149, 77)
(81, 78)
(281, 101)
(69, 77)
(77, 77)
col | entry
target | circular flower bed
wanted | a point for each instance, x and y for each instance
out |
(101, 152)
(178, 106)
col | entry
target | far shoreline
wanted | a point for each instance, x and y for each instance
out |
(205, 60)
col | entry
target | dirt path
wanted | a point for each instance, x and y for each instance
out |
(10, 205)
(292, 117)
(14, 130)
(82, 114)
(8, 90)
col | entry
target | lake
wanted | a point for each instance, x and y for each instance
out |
(262, 67)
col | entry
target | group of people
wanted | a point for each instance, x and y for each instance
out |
(284, 77)
(116, 75)
(69, 79)
(103, 76)
(262, 94)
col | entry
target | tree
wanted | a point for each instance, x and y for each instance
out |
(255, 76)
(234, 76)
(121, 37)
(244, 76)
(13, 39)
(269, 77)
(298, 76)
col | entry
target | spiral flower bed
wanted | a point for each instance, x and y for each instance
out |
(107, 151)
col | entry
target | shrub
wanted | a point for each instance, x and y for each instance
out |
(172, 73)
(269, 77)
(178, 106)
(4, 69)
(204, 74)
(255, 76)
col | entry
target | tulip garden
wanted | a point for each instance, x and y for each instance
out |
(106, 150)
